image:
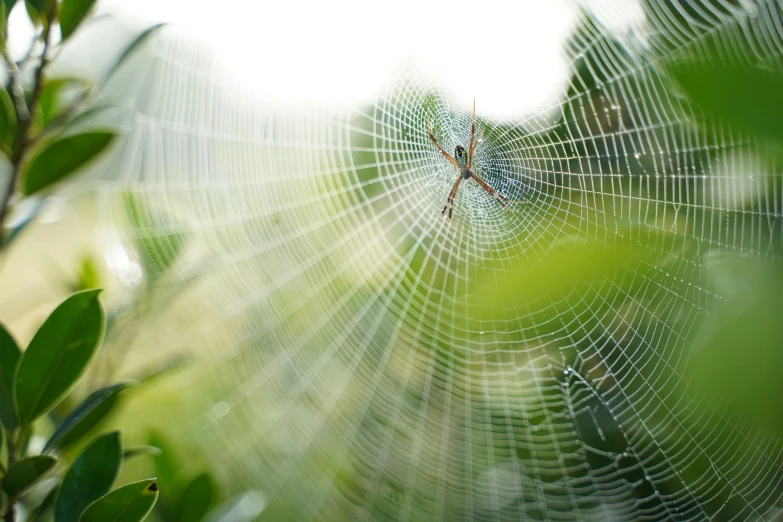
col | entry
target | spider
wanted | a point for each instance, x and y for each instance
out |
(463, 163)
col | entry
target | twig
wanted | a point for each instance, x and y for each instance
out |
(23, 114)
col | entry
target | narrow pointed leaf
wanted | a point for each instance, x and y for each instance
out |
(27, 472)
(62, 157)
(137, 451)
(131, 503)
(86, 416)
(58, 354)
(72, 12)
(90, 477)
(35, 11)
(7, 120)
(132, 47)
(9, 360)
(9, 5)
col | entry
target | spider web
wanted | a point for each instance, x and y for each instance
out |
(333, 308)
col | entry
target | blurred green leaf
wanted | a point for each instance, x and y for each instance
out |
(62, 157)
(35, 10)
(43, 512)
(89, 478)
(26, 472)
(54, 95)
(58, 354)
(132, 47)
(7, 122)
(737, 358)
(137, 451)
(565, 267)
(166, 466)
(739, 94)
(9, 6)
(72, 12)
(88, 276)
(3, 20)
(158, 252)
(9, 361)
(197, 498)
(245, 507)
(97, 406)
(130, 503)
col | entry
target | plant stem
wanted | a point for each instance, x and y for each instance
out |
(23, 113)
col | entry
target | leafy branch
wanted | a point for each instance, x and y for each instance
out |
(36, 134)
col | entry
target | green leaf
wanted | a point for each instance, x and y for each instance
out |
(158, 252)
(57, 93)
(9, 6)
(72, 12)
(43, 512)
(26, 472)
(166, 464)
(745, 96)
(132, 47)
(62, 157)
(58, 354)
(197, 498)
(7, 121)
(137, 451)
(90, 477)
(9, 361)
(736, 359)
(86, 416)
(130, 503)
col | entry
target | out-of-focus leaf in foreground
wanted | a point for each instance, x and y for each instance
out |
(744, 96)
(72, 12)
(737, 357)
(570, 266)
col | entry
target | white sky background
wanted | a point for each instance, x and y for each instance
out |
(506, 54)
(509, 55)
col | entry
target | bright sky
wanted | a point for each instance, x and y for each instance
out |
(506, 54)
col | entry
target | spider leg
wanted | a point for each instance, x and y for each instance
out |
(452, 195)
(498, 197)
(445, 154)
(472, 133)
